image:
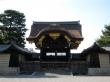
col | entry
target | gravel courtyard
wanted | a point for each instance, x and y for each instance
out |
(48, 77)
(60, 79)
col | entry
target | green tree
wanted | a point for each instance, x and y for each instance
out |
(104, 39)
(12, 27)
(2, 34)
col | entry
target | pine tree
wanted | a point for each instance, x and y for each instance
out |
(104, 39)
(12, 27)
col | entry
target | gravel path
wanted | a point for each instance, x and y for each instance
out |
(57, 78)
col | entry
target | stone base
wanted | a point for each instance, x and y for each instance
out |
(98, 71)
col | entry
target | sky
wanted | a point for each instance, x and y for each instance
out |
(93, 15)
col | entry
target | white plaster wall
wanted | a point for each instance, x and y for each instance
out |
(104, 66)
(4, 60)
(104, 60)
(4, 65)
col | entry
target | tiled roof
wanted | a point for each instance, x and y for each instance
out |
(95, 48)
(73, 28)
(10, 47)
(4, 47)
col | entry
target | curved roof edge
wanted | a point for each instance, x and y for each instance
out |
(95, 48)
(4, 48)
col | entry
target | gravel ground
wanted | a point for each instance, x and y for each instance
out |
(48, 77)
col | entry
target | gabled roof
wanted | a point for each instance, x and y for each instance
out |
(73, 28)
(95, 48)
(4, 48)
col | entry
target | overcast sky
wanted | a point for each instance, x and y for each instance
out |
(93, 14)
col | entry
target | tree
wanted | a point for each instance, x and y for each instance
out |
(104, 39)
(2, 34)
(13, 27)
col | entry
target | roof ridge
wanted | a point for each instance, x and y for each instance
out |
(51, 22)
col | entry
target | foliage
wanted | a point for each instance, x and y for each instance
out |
(104, 39)
(12, 27)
